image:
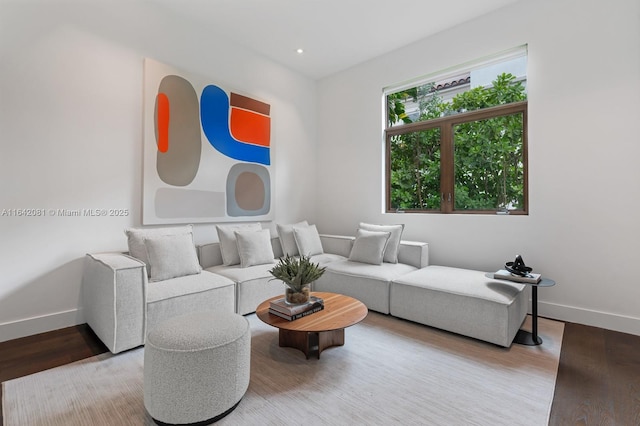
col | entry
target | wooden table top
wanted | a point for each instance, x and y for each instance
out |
(339, 311)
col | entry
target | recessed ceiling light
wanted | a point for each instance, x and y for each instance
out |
(299, 51)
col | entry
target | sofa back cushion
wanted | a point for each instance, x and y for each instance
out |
(307, 240)
(254, 247)
(369, 246)
(228, 244)
(172, 256)
(136, 237)
(393, 246)
(287, 239)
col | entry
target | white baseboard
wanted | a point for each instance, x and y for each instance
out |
(606, 320)
(41, 324)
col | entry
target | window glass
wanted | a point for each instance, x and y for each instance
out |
(415, 165)
(489, 166)
(457, 142)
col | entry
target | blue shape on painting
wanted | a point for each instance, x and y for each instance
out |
(214, 115)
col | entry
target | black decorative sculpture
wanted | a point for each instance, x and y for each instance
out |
(517, 267)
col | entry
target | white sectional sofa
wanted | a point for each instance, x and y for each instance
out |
(125, 295)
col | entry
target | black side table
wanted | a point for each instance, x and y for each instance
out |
(524, 337)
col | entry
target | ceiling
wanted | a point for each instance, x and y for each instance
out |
(335, 34)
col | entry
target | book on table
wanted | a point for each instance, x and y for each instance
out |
(281, 306)
(290, 312)
(309, 311)
(530, 278)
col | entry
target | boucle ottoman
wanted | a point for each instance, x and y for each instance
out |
(196, 367)
(462, 301)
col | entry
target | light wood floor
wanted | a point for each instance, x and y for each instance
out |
(598, 378)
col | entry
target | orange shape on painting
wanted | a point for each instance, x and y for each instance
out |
(163, 122)
(249, 127)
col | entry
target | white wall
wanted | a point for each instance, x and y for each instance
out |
(71, 138)
(584, 109)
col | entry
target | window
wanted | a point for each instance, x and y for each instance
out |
(457, 143)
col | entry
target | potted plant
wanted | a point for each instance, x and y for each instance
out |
(297, 273)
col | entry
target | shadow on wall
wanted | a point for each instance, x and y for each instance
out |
(48, 302)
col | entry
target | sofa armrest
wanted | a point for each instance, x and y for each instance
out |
(414, 253)
(113, 289)
(337, 244)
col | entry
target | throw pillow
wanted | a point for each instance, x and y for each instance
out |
(369, 246)
(136, 237)
(287, 239)
(307, 240)
(254, 247)
(172, 256)
(393, 246)
(228, 245)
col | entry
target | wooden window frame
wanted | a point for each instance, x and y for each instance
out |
(447, 178)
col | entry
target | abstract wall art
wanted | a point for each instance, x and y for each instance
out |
(207, 151)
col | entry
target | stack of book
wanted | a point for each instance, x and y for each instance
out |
(292, 312)
(530, 278)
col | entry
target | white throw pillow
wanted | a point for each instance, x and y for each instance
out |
(287, 239)
(136, 237)
(228, 245)
(369, 246)
(307, 240)
(254, 247)
(393, 246)
(172, 256)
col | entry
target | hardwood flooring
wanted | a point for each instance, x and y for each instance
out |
(598, 377)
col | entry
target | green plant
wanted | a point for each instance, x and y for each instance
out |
(297, 272)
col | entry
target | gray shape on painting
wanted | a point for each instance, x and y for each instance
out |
(175, 203)
(179, 165)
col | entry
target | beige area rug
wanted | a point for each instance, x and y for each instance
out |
(389, 371)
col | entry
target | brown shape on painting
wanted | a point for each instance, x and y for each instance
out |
(250, 192)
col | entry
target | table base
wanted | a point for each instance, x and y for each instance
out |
(527, 338)
(310, 342)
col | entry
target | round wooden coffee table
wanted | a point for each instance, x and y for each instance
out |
(320, 330)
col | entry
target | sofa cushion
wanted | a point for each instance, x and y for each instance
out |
(369, 246)
(325, 258)
(191, 293)
(239, 274)
(254, 247)
(462, 301)
(136, 236)
(365, 282)
(386, 271)
(171, 256)
(308, 240)
(180, 286)
(393, 246)
(254, 285)
(287, 239)
(228, 244)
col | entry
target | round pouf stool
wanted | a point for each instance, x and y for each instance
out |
(196, 367)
